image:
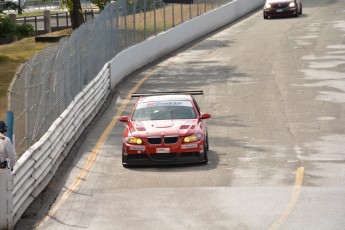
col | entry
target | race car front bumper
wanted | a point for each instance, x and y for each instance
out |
(163, 158)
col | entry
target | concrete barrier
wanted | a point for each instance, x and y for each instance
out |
(6, 201)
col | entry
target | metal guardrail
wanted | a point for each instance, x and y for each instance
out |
(58, 21)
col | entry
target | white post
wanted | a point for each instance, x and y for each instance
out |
(6, 199)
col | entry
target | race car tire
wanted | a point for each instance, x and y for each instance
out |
(207, 143)
(123, 161)
(296, 14)
(206, 148)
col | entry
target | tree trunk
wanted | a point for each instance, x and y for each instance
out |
(76, 15)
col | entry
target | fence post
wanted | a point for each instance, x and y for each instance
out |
(181, 14)
(27, 110)
(124, 7)
(164, 16)
(173, 14)
(6, 199)
(57, 20)
(145, 20)
(36, 28)
(13, 18)
(47, 20)
(67, 19)
(154, 18)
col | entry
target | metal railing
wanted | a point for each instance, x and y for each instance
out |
(58, 21)
(45, 85)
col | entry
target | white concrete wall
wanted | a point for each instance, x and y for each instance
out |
(37, 166)
(6, 202)
(141, 54)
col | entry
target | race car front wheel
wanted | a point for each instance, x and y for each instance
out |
(206, 147)
(123, 159)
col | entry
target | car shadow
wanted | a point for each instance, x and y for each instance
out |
(288, 17)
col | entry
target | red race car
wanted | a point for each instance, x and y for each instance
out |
(165, 128)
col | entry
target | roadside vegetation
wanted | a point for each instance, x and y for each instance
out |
(9, 29)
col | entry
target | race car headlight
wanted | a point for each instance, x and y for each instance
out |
(292, 4)
(134, 140)
(192, 138)
(267, 6)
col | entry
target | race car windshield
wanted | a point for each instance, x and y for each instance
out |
(163, 111)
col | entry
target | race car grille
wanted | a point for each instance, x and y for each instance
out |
(158, 140)
(170, 140)
(154, 140)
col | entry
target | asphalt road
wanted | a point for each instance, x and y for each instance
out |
(276, 93)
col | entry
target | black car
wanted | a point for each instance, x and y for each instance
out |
(274, 8)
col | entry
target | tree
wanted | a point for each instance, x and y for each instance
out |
(76, 13)
(11, 5)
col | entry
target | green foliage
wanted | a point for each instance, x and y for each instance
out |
(68, 4)
(8, 28)
(25, 30)
(74, 7)
(100, 3)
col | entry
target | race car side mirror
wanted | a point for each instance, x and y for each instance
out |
(124, 119)
(205, 116)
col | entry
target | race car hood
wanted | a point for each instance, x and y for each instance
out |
(162, 127)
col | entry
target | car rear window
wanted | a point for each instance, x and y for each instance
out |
(165, 110)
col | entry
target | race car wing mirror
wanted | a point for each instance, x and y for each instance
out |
(205, 116)
(124, 119)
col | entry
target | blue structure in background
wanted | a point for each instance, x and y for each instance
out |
(9, 124)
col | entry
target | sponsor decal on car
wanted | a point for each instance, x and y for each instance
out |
(164, 103)
(189, 146)
(137, 148)
(162, 150)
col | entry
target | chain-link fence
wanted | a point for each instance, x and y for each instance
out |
(44, 86)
